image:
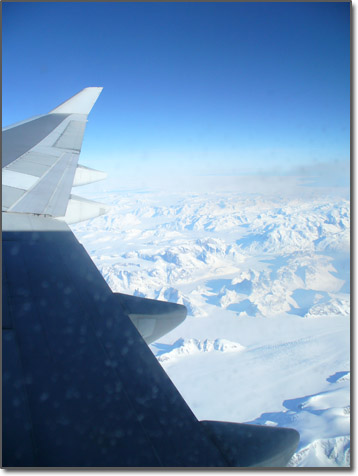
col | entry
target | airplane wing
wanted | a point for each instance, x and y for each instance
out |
(81, 387)
(40, 163)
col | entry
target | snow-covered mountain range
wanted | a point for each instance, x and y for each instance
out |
(265, 279)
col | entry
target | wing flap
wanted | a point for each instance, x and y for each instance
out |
(50, 195)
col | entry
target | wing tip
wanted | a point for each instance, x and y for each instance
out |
(80, 103)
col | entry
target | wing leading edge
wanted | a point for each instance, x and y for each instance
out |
(80, 386)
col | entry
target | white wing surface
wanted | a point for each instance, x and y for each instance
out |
(40, 162)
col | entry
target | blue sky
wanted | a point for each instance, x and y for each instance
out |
(203, 88)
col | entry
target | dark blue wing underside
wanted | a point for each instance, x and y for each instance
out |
(81, 387)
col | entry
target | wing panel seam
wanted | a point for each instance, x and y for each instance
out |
(31, 188)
